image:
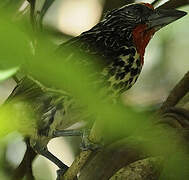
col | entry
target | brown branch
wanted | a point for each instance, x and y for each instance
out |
(88, 163)
(76, 166)
(176, 94)
(104, 163)
(146, 169)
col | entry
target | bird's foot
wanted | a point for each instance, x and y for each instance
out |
(86, 144)
(64, 133)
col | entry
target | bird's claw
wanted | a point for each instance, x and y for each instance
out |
(86, 144)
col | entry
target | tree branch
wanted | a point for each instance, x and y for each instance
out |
(76, 166)
(104, 163)
(146, 169)
(32, 12)
(176, 94)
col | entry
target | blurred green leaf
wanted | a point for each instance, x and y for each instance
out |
(7, 73)
(17, 116)
(15, 47)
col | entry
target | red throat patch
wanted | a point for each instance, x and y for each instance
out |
(148, 5)
(141, 38)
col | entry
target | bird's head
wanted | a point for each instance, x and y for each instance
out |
(139, 22)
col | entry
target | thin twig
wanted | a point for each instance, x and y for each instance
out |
(176, 94)
(47, 4)
(32, 12)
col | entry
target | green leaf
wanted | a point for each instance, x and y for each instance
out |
(7, 73)
(17, 116)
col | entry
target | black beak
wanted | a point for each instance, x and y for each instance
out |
(162, 17)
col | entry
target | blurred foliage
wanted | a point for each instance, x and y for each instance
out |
(116, 120)
(18, 116)
(11, 6)
(5, 74)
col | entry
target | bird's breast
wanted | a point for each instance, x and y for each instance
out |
(123, 71)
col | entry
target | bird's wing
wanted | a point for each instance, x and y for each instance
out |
(43, 102)
(25, 88)
(46, 101)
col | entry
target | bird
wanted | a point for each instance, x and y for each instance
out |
(118, 43)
